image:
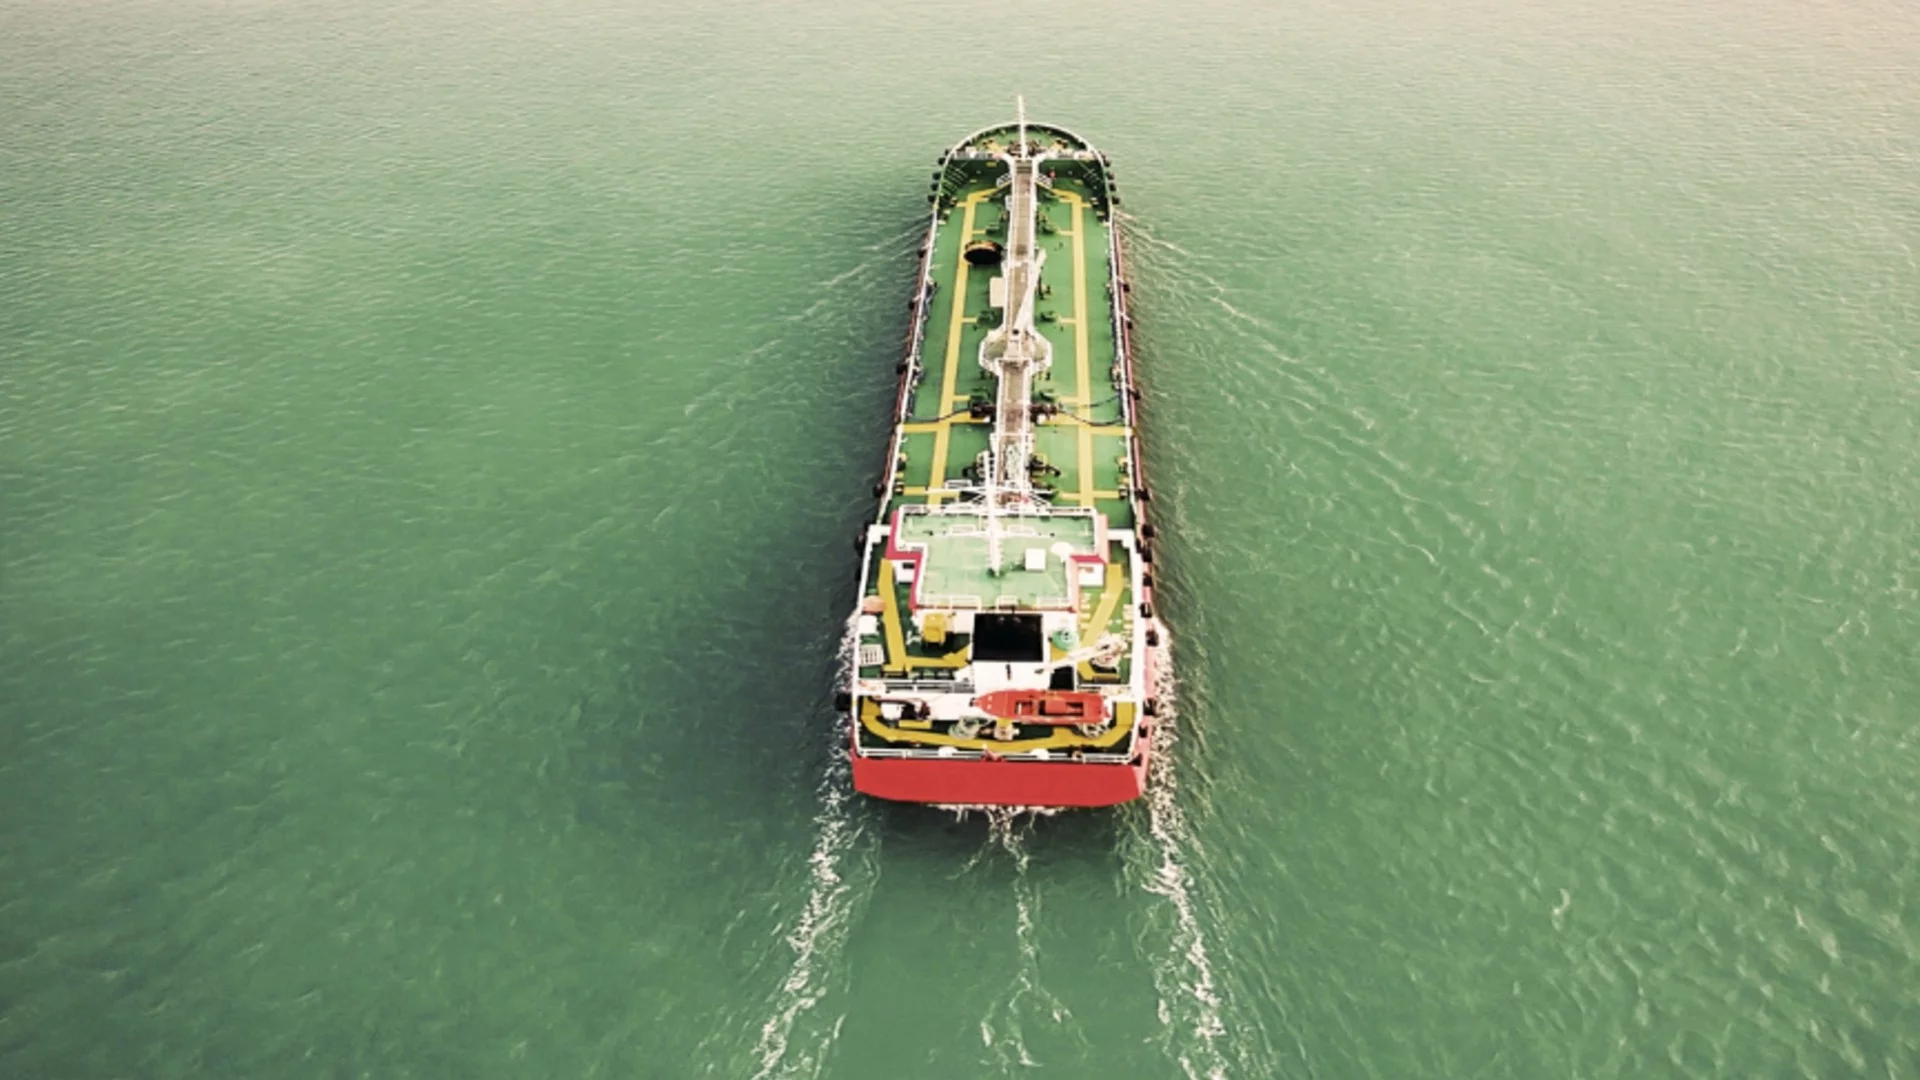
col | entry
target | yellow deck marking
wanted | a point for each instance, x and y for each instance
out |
(938, 475)
(960, 317)
(1109, 599)
(898, 661)
(955, 659)
(1081, 368)
(890, 621)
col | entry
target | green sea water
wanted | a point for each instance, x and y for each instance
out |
(431, 441)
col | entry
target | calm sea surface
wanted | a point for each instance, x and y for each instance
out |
(431, 436)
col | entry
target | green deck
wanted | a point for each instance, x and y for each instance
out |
(1083, 449)
(1087, 441)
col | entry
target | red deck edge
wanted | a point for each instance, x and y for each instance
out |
(1000, 783)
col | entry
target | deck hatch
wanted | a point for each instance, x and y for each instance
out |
(1012, 639)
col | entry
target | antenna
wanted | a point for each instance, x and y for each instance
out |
(1020, 102)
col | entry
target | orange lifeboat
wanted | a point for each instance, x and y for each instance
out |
(1066, 707)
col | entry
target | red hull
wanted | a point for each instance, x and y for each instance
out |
(999, 783)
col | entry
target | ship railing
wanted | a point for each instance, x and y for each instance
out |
(1123, 351)
(957, 754)
(968, 510)
(1000, 603)
(927, 686)
(1124, 357)
(952, 600)
(911, 366)
(917, 341)
(1116, 287)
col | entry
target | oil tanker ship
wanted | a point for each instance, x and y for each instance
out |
(1006, 646)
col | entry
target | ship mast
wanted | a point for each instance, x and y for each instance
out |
(1014, 351)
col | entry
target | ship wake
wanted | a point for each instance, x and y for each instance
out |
(1190, 1007)
(1001, 1028)
(796, 1037)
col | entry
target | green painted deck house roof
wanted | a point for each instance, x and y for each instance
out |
(955, 568)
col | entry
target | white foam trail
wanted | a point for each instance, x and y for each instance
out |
(820, 933)
(815, 939)
(1189, 996)
(1001, 1029)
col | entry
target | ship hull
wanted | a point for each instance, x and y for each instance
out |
(1005, 650)
(1062, 785)
(1000, 783)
